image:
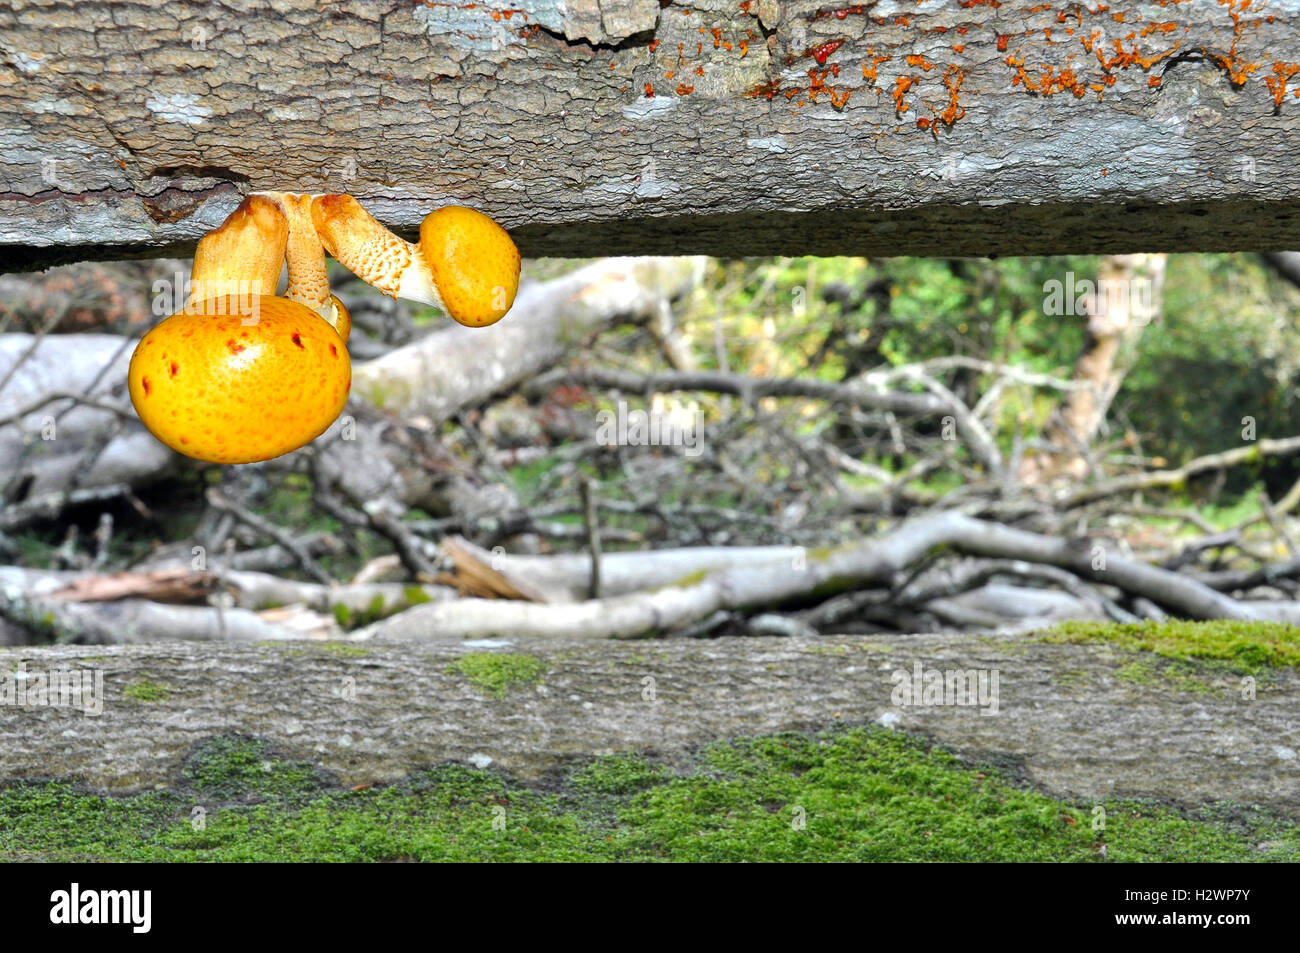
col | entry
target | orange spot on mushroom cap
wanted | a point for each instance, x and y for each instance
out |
(475, 264)
(248, 392)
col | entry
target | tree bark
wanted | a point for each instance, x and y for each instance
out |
(627, 126)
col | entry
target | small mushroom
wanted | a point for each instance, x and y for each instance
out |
(465, 263)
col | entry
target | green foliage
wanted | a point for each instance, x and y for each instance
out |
(859, 794)
(1224, 348)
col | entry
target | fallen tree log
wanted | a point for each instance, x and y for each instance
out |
(566, 577)
(376, 713)
(633, 127)
(763, 584)
(181, 605)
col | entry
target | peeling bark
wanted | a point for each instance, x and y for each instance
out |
(595, 127)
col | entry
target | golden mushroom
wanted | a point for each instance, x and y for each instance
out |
(241, 376)
(230, 387)
(465, 263)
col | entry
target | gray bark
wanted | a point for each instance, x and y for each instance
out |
(134, 127)
(1090, 736)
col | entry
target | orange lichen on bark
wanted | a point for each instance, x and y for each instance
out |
(952, 81)
(1230, 62)
(1278, 82)
(869, 72)
(1123, 58)
(901, 86)
(1044, 63)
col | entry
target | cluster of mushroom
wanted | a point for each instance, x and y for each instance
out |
(241, 375)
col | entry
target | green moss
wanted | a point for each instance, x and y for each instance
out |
(415, 596)
(1242, 647)
(342, 649)
(860, 794)
(618, 774)
(144, 690)
(303, 647)
(377, 608)
(235, 768)
(1178, 676)
(495, 673)
(690, 579)
(1070, 678)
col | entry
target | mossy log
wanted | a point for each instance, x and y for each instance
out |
(1072, 719)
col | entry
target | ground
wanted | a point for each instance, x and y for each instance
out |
(862, 793)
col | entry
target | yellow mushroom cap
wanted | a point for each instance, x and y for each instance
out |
(229, 387)
(475, 264)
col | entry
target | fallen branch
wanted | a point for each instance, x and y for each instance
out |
(286, 539)
(768, 583)
(168, 585)
(1156, 479)
(751, 389)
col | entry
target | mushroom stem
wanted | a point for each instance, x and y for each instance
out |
(308, 280)
(374, 254)
(243, 256)
(465, 264)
